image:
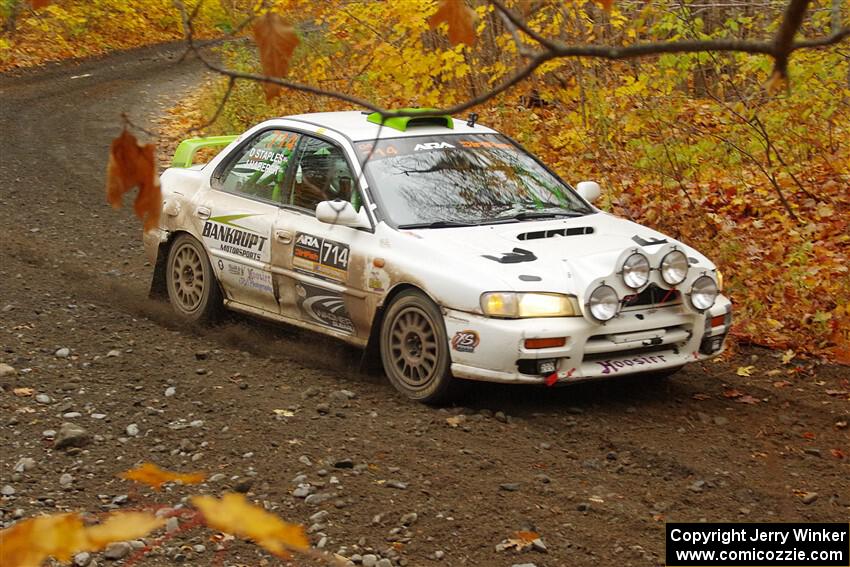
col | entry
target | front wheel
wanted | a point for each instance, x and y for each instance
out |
(415, 351)
(192, 288)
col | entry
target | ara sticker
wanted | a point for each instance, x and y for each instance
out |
(320, 256)
(465, 341)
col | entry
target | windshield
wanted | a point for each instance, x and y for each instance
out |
(462, 179)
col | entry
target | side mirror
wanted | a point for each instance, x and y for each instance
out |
(342, 213)
(589, 190)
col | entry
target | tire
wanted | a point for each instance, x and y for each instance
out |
(192, 288)
(415, 349)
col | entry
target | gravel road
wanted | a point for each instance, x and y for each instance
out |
(285, 416)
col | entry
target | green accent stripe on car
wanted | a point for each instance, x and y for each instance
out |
(426, 116)
(187, 148)
(228, 219)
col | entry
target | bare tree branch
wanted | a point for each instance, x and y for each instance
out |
(791, 23)
(230, 84)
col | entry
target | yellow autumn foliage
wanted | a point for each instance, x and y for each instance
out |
(233, 514)
(30, 542)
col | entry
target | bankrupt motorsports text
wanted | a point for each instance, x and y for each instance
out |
(824, 545)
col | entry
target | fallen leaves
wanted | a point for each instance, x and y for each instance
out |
(520, 541)
(29, 542)
(233, 514)
(747, 399)
(152, 475)
(739, 396)
(133, 165)
(455, 420)
(23, 392)
(459, 18)
(745, 371)
(276, 42)
(38, 4)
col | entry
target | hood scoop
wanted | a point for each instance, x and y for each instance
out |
(572, 231)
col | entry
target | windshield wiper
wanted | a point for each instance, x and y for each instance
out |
(527, 215)
(531, 215)
(436, 224)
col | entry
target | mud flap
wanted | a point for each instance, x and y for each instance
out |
(159, 287)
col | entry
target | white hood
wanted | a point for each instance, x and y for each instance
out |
(561, 255)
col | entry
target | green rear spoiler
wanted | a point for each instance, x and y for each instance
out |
(187, 148)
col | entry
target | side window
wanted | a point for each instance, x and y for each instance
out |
(261, 170)
(322, 174)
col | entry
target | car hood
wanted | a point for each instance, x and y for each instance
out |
(561, 255)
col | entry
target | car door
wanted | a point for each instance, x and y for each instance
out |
(319, 267)
(242, 209)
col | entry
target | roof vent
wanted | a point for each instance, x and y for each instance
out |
(427, 118)
(573, 231)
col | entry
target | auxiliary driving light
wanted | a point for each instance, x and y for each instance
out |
(703, 293)
(636, 271)
(674, 267)
(604, 303)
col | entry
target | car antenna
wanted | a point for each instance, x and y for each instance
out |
(472, 118)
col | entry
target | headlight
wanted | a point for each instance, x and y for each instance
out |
(636, 271)
(703, 293)
(603, 303)
(674, 267)
(513, 305)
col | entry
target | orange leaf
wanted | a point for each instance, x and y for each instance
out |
(276, 42)
(152, 475)
(526, 535)
(23, 392)
(837, 453)
(235, 515)
(122, 526)
(132, 165)
(607, 4)
(30, 542)
(36, 4)
(732, 393)
(459, 18)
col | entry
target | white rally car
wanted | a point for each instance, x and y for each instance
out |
(440, 243)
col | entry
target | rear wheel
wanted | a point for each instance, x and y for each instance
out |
(415, 350)
(192, 289)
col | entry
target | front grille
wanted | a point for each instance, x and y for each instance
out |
(647, 340)
(652, 296)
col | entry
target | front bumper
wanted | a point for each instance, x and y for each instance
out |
(640, 340)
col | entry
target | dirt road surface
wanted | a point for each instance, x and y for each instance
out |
(596, 470)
